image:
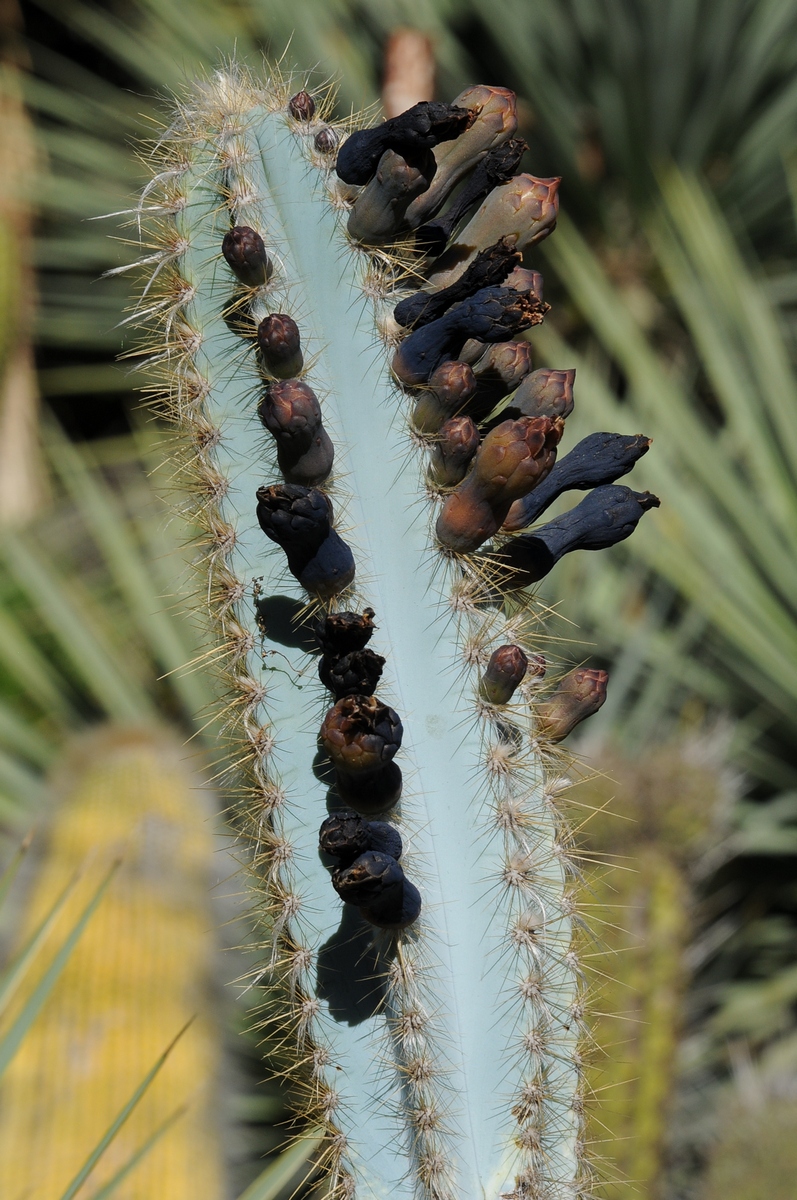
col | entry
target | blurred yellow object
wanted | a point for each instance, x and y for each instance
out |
(141, 969)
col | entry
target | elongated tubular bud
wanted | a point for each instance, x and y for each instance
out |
(302, 106)
(290, 411)
(280, 345)
(493, 315)
(378, 213)
(488, 269)
(498, 166)
(450, 387)
(409, 134)
(246, 256)
(498, 372)
(341, 633)
(361, 736)
(377, 884)
(523, 210)
(494, 121)
(355, 673)
(345, 835)
(511, 460)
(505, 671)
(598, 459)
(457, 442)
(579, 694)
(299, 520)
(606, 516)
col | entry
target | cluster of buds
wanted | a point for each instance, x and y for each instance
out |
(368, 872)
(348, 666)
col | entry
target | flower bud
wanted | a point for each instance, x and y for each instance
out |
(345, 836)
(326, 140)
(524, 210)
(494, 314)
(606, 516)
(545, 393)
(511, 460)
(378, 212)
(598, 459)
(489, 269)
(450, 387)
(377, 884)
(361, 735)
(524, 280)
(498, 372)
(356, 673)
(280, 346)
(505, 670)
(302, 106)
(341, 633)
(498, 166)
(580, 694)
(457, 442)
(245, 252)
(299, 520)
(409, 135)
(289, 409)
(493, 121)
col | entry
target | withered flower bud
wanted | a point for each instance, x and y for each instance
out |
(345, 835)
(511, 460)
(302, 106)
(450, 388)
(290, 411)
(493, 315)
(361, 736)
(378, 886)
(299, 519)
(489, 269)
(579, 694)
(493, 122)
(498, 166)
(356, 673)
(606, 516)
(326, 140)
(410, 134)
(598, 459)
(280, 345)
(524, 210)
(498, 372)
(457, 442)
(378, 212)
(342, 633)
(245, 252)
(505, 670)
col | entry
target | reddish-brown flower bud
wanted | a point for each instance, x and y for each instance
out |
(457, 442)
(290, 411)
(245, 252)
(280, 345)
(302, 106)
(326, 140)
(498, 372)
(523, 280)
(545, 393)
(449, 390)
(511, 460)
(361, 735)
(505, 670)
(580, 694)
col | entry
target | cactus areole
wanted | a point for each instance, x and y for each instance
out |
(423, 970)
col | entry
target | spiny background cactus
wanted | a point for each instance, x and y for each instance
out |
(438, 1032)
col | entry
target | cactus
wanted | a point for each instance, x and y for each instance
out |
(434, 1020)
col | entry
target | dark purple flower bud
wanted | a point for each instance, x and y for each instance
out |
(450, 388)
(326, 140)
(606, 516)
(280, 345)
(289, 409)
(497, 373)
(457, 442)
(489, 269)
(302, 106)
(579, 694)
(245, 252)
(345, 835)
(342, 633)
(299, 519)
(409, 134)
(361, 736)
(356, 673)
(598, 459)
(377, 885)
(505, 671)
(493, 315)
(498, 166)
(378, 212)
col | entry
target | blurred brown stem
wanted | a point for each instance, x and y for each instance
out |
(409, 71)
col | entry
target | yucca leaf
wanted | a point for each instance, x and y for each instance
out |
(279, 1173)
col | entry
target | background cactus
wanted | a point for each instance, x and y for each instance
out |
(443, 1052)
